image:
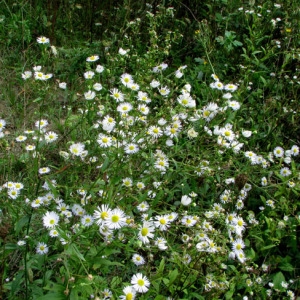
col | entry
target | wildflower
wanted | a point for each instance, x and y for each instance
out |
(131, 148)
(117, 95)
(140, 185)
(186, 100)
(142, 96)
(13, 193)
(62, 85)
(144, 109)
(43, 40)
(159, 68)
(127, 182)
(115, 219)
(21, 138)
(161, 164)
(241, 257)
(129, 293)
(126, 79)
(154, 83)
(89, 75)
(294, 150)
(290, 294)
(146, 231)
(246, 133)
(124, 108)
(76, 149)
(140, 283)
(164, 91)
(192, 133)
(264, 181)
(99, 69)
(104, 141)
(97, 87)
(42, 248)
(122, 51)
(101, 214)
(155, 131)
(21, 243)
(186, 200)
(285, 172)
(278, 152)
(217, 85)
(48, 76)
(144, 206)
(107, 294)
(37, 202)
(161, 243)
(230, 87)
(234, 105)
(87, 220)
(162, 222)
(291, 184)
(50, 219)
(39, 75)
(53, 233)
(27, 75)
(51, 137)
(44, 170)
(238, 246)
(270, 203)
(92, 58)
(227, 96)
(239, 225)
(188, 221)
(138, 260)
(89, 95)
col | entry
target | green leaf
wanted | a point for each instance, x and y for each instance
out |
(285, 266)
(21, 223)
(53, 296)
(73, 251)
(197, 296)
(161, 266)
(277, 280)
(268, 247)
(11, 246)
(173, 275)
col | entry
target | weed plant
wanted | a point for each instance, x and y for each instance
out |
(129, 171)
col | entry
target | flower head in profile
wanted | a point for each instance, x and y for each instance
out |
(27, 75)
(44, 170)
(140, 283)
(92, 58)
(43, 40)
(89, 95)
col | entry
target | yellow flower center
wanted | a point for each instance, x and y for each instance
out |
(144, 231)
